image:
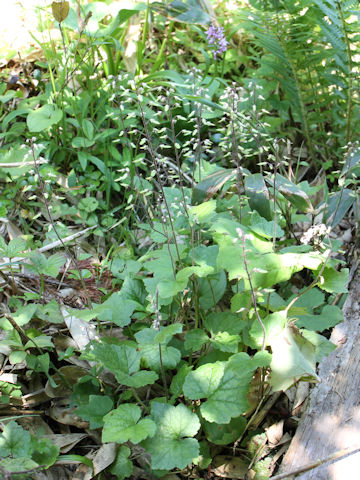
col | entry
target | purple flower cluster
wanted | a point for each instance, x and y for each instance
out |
(215, 37)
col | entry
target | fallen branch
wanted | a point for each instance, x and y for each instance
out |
(310, 466)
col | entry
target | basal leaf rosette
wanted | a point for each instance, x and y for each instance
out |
(224, 383)
(172, 445)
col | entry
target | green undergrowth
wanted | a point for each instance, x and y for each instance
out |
(209, 197)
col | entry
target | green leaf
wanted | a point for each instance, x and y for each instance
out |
(293, 357)
(223, 383)
(116, 309)
(124, 424)
(124, 362)
(292, 192)
(98, 406)
(88, 129)
(266, 269)
(82, 142)
(15, 441)
(43, 265)
(258, 194)
(212, 289)
(213, 182)
(195, 339)
(166, 333)
(330, 316)
(264, 228)
(203, 213)
(223, 434)
(14, 248)
(43, 118)
(122, 467)
(225, 342)
(187, 11)
(19, 464)
(177, 382)
(171, 446)
(217, 322)
(24, 314)
(88, 204)
(337, 206)
(45, 452)
(323, 347)
(150, 353)
(274, 324)
(333, 281)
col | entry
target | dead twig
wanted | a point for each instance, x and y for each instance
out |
(310, 466)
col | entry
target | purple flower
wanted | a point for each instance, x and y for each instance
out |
(215, 37)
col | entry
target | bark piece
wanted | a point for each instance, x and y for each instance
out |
(332, 421)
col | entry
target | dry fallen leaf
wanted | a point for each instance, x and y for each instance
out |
(229, 467)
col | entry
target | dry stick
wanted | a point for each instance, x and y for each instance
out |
(310, 466)
(51, 245)
(70, 255)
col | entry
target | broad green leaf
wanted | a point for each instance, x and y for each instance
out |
(292, 192)
(309, 300)
(266, 269)
(18, 464)
(223, 434)
(225, 342)
(94, 411)
(40, 341)
(264, 228)
(241, 301)
(43, 118)
(122, 467)
(224, 383)
(351, 165)
(330, 316)
(123, 15)
(212, 184)
(177, 381)
(45, 452)
(116, 309)
(200, 271)
(203, 213)
(274, 324)
(212, 289)
(293, 357)
(88, 129)
(258, 194)
(43, 265)
(88, 204)
(166, 333)
(195, 339)
(333, 281)
(15, 441)
(205, 458)
(187, 11)
(18, 356)
(150, 352)
(24, 314)
(226, 232)
(338, 205)
(216, 322)
(323, 346)
(123, 424)
(14, 248)
(171, 446)
(124, 362)
(82, 142)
